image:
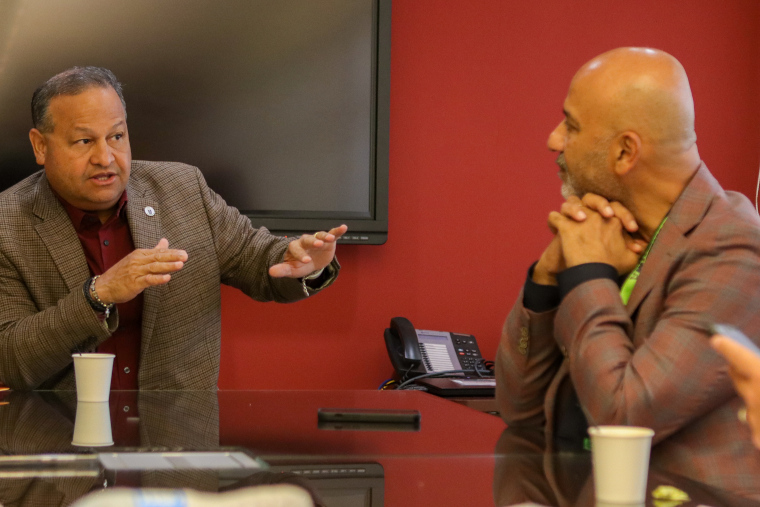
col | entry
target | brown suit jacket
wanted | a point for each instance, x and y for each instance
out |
(44, 316)
(649, 363)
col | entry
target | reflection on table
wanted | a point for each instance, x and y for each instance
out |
(345, 466)
(531, 468)
(456, 457)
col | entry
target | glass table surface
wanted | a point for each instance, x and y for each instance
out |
(367, 448)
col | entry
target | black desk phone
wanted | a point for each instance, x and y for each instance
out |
(414, 352)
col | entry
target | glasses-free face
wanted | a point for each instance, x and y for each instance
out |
(87, 157)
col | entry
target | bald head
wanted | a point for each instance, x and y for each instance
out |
(628, 132)
(641, 90)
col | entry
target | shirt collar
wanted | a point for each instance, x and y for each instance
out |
(78, 216)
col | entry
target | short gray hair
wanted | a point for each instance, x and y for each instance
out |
(70, 82)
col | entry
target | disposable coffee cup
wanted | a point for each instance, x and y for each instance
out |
(620, 455)
(92, 425)
(93, 376)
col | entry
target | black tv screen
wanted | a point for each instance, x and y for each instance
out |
(282, 104)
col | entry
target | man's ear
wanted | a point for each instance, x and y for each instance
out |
(628, 151)
(39, 145)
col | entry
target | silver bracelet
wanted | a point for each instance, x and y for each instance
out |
(94, 300)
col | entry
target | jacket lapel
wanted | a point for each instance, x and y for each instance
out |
(59, 236)
(686, 213)
(670, 240)
(146, 233)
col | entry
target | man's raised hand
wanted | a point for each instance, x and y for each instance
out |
(139, 270)
(744, 369)
(307, 254)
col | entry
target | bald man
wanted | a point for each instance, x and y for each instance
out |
(648, 250)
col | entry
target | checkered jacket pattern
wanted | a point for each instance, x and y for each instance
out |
(44, 316)
(649, 363)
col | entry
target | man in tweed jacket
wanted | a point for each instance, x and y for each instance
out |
(581, 346)
(52, 305)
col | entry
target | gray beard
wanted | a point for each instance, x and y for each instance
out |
(568, 189)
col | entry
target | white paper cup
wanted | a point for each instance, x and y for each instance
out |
(621, 461)
(93, 375)
(92, 426)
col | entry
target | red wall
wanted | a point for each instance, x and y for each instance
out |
(476, 87)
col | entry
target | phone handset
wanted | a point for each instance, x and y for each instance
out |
(402, 345)
(405, 330)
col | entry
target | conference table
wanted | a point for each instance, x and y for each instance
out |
(351, 448)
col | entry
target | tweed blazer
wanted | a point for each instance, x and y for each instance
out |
(44, 316)
(649, 363)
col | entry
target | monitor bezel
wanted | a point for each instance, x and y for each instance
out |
(374, 229)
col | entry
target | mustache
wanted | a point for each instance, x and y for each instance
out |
(561, 162)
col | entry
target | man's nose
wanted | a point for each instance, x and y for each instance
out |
(102, 154)
(556, 141)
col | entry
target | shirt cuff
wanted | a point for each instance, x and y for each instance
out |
(573, 277)
(537, 297)
(320, 279)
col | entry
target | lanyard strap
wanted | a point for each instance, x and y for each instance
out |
(630, 282)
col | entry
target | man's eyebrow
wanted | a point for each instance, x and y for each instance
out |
(88, 131)
(83, 129)
(569, 116)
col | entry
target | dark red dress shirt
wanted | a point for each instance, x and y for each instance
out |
(104, 245)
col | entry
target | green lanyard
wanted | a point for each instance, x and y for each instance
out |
(630, 281)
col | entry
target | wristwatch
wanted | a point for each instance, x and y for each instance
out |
(92, 297)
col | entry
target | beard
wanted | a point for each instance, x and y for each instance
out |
(568, 185)
(595, 178)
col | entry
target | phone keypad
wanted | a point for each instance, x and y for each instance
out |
(467, 351)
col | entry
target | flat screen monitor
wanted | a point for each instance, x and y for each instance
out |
(282, 104)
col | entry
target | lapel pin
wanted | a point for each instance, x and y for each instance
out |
(149, 211)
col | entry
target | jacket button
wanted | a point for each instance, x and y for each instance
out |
(126, 369)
